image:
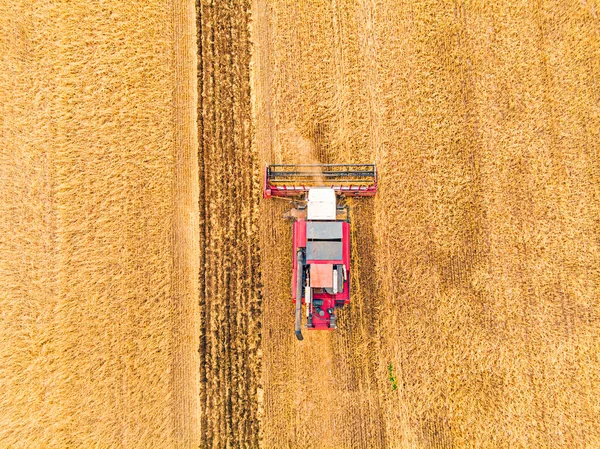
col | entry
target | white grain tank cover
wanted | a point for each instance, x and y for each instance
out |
(321, 204)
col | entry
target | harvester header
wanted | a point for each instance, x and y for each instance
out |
(289, 180)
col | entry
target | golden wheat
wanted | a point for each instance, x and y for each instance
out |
(474, 319)
(98, 218)
(476, 274)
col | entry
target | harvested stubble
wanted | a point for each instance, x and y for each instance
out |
(98, 220)
(475, 313)
(229, 193)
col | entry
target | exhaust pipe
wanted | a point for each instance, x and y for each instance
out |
(299, 258)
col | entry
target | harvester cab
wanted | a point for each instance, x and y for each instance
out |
(320, 233)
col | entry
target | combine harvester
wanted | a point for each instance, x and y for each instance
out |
(320, 233)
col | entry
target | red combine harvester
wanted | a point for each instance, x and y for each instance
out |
(321, 233)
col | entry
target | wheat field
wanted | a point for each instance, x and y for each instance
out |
(475, 318)
(98, 224)
(145, 285)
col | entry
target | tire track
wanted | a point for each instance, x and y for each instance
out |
(185, 225)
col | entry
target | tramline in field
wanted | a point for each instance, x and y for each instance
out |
(320, 233)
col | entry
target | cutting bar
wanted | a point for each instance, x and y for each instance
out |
(288, 180)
